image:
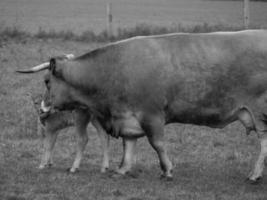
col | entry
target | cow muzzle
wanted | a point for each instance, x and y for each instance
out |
(44, 108)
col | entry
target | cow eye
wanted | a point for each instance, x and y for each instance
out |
(47, 83)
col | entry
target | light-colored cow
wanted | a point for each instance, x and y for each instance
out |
(136, 86)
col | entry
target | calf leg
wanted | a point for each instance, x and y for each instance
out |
(105, 140)
(256, 173)
(82, 120)
(129, 145)
(154, 127)
(48, 144)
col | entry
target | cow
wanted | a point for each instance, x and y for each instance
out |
(135, 87)
(50, 122)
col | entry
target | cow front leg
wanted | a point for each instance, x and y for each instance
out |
(154, 127)
(48, 145)
(129, 145)
(105, 140)
(256, 173)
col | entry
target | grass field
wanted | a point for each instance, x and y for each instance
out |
(209, 163)
(81, 15)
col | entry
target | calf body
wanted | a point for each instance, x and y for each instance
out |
(50, 123)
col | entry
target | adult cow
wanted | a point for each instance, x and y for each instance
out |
(136, 86)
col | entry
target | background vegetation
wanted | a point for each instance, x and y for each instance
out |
(122, 33)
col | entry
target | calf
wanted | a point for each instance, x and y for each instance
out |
(51, 122)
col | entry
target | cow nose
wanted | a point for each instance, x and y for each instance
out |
(45, 107)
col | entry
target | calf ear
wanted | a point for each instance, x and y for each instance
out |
(52, 66)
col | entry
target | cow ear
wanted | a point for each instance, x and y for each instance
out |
(52, 67)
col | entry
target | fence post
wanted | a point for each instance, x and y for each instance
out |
(246, 14)
(109, 20)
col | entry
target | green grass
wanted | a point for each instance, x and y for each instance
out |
(208, 163)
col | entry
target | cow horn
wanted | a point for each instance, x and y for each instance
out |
(43, 66)
(69, 56)
(37, 68)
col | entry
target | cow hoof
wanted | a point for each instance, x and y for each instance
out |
(45, 166)
(254, 181)
(115, 175)
(166, 178)
(133, 175)
(121, 171)
(41, 167)
(104, 170)
(73, 170)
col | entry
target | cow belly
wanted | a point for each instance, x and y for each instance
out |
(212, 119)
(189, 114)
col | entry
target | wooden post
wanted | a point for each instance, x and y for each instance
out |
(17, 15)
(246, 14)
(109, 20)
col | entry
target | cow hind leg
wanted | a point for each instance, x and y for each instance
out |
(155, 131)
(48, 145)
(256, 173)
(246, 118)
